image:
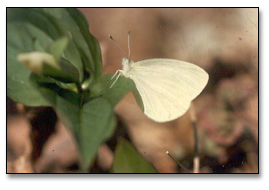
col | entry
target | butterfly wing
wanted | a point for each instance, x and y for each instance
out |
(167, 86)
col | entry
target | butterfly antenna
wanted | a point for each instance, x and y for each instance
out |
(129, 45)
(117, 44)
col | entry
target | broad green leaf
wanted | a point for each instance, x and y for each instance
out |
(23, 92)
(138, 98)
(91, 123)
(95, 59)
(101, 88)
(58, 47)
(30, 29)
(98, 124)
(23, 37)
(50, 25)
(38, 18)
(128, 160)
(86, 44)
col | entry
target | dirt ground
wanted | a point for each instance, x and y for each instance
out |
(223, 41)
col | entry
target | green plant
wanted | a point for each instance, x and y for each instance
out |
(62, 68)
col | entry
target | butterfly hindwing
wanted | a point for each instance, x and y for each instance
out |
(167, 86)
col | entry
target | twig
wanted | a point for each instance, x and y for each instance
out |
(178, 163)
(196, 159)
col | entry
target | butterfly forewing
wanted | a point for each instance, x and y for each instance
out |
(167, 86)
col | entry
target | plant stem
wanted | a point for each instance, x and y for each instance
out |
(196, 159)
(178, 163)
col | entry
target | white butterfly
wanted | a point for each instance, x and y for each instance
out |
(166, 86)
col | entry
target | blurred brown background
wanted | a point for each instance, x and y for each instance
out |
(223, 41)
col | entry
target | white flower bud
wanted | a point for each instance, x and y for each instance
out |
(35, 61)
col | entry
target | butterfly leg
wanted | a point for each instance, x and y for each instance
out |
(119, 73)
(115, 74)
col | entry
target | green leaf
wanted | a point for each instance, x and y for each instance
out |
(50, 25)
(48, 88)
(91, 123)
(138, 98)
(23, 37)
(22, 92)
(97, 125)
(77, 24)
(58, 47)
(101, 88)
(95, 58)
(128, 160)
